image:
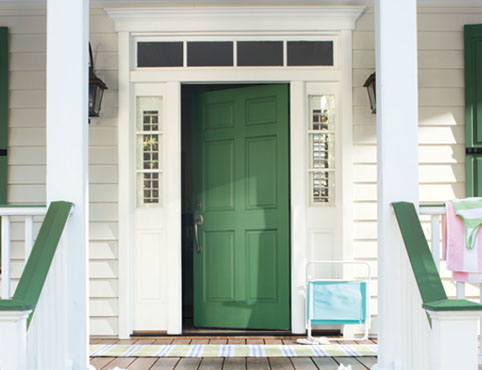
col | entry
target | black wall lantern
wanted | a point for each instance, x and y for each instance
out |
(96, 89)
(370, 84)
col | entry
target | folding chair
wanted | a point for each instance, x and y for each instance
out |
(337, 301)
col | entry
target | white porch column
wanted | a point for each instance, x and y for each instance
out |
(67, 158)
(397, 107)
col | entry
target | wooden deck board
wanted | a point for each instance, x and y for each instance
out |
(281, 363)
(355, 364)
(367, 361)
(121, 362)
(167, 363)
(303, 363)
(325, 363)
(257, 363)
(101, 362)
(234, 363)
(142, 363)
(212, 363)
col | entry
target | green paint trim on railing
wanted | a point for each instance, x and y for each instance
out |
(432, 205)
(14, 305)
(426, 274)
(23, 205)
(452, 305)
(43, 251)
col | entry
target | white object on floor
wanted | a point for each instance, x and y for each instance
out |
(342, 367)
(314, 341)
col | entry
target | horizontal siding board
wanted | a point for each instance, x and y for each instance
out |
(441, 116)
(103, 212)
(103, 269)
(27, 80)
(28, 43)
(438, 193)
(103, 174)
(26, 118)
(103, 250)
(103, 42)
(103, 231)
(27, 99)
(365, 211)
(102, 136)
(24, 24)
(28, 61)
(103, 155)
(102, 193)
(442, 153)
(27, 155)
(446, 59)
(27, 194)
(100, 307)
(454, 173)
(104, 326)
(26, 175)
(104, 288)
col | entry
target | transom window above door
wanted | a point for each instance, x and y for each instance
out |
(245, 53)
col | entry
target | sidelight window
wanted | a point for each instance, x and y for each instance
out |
(148, 151)
(321, 132)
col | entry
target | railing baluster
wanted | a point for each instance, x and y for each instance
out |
(28, 236)
(435, 235)
(460, 290)
(6, 257)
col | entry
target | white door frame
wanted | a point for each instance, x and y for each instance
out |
(251, 23)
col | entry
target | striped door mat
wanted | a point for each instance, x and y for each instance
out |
(231, 350)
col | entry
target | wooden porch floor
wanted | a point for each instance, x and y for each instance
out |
(234, 363)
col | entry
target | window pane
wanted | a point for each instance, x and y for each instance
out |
(321, 135)
(205, 54)
(260, 53)
(149, 151)
(310, 53)
(159, 54)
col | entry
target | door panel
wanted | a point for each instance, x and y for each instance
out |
(241, 188)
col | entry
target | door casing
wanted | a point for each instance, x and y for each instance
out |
(303, 233)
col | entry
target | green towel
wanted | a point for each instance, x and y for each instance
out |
(469, 210)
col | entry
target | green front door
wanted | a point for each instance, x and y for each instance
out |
(241, 189)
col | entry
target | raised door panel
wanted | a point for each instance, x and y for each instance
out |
(261, 172)
(218, 175)
(218, 264)
(262, 265)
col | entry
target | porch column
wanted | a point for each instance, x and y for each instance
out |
(397, 163)
(67, 159)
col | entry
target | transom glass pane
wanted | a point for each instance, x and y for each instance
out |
(149, 151)
(321, 132)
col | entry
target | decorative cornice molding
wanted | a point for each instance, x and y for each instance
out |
(236, 18)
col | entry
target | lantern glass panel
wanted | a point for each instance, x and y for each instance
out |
(92, 89)
(98, 99)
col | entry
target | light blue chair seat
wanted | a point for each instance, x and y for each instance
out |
(337, 302)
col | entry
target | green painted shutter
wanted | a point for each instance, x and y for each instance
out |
(3, 113)
(473, 109)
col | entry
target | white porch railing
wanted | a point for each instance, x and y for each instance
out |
(435, 211)
(7, 212)
(37, 342)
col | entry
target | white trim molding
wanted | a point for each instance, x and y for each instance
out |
(236, 18)
(231, 23)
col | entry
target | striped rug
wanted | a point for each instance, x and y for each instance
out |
(231, 350)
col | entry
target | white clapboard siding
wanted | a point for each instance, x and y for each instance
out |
(104, 288)
(27, 164)
(441, 118)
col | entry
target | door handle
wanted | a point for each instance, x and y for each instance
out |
(198, 221)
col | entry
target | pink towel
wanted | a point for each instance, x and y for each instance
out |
(465, 264)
